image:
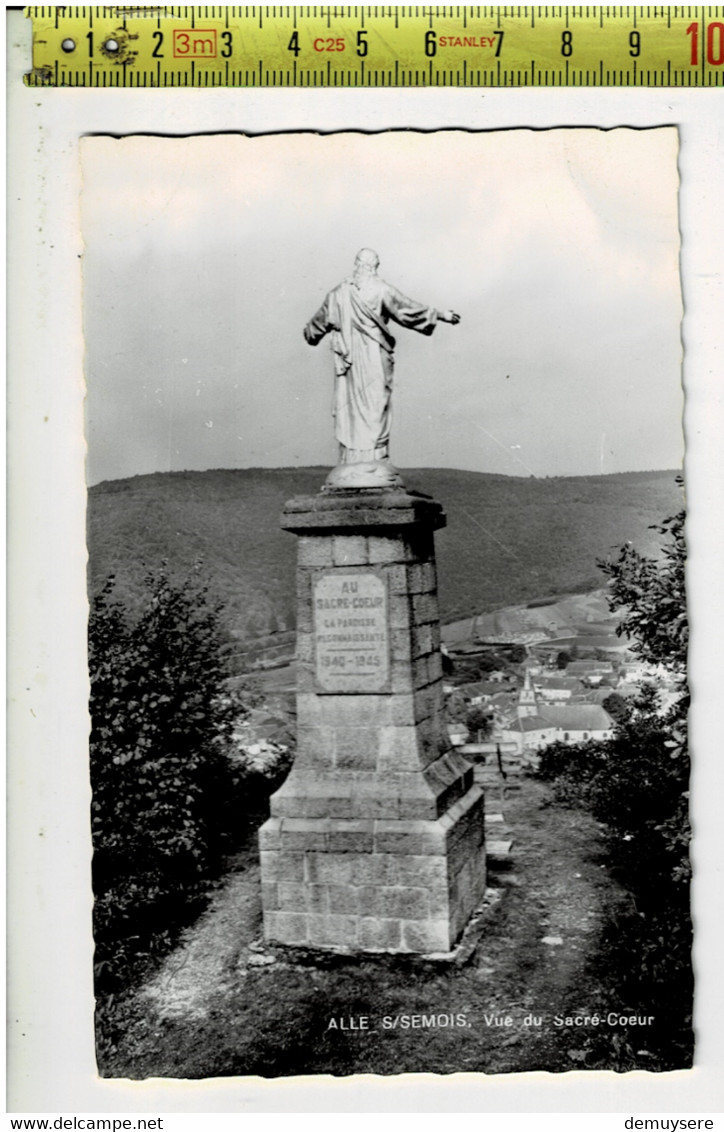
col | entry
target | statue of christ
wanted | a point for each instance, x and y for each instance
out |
(356, 314)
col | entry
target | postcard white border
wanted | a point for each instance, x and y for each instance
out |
(51, 1066)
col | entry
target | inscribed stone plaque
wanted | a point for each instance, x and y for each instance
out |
(351, 634)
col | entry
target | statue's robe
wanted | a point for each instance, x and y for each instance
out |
(356, 314)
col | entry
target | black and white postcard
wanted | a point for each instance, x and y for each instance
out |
(548, 423)
(518, 296)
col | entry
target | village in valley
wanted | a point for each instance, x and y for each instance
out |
(515, 681)
(554, 670)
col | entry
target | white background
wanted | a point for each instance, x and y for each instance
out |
(50, 1005)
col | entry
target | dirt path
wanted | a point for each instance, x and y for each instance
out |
(213, 955)
(219, 1007)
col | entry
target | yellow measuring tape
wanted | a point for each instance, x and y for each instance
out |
(348, 46)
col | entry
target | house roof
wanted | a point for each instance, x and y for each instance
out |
(531, 723)
(503, 697)
(562, 682)
(479, 688)
(579, 717)
(596, 695)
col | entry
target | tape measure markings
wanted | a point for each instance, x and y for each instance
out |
(368, 46)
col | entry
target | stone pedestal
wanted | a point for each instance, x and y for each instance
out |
(376, 839)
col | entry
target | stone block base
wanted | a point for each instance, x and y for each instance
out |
(376, 839)
(374, 885)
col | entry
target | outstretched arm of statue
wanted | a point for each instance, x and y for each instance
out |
(409, 312)
(318, 326)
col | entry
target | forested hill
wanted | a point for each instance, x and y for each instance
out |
(507, 539)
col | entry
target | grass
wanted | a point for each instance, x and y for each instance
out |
(213, 1009)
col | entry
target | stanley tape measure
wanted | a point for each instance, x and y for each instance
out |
(348, 46)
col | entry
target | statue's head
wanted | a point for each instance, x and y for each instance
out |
(366, 260)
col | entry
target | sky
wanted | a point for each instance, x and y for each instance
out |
(205, 257)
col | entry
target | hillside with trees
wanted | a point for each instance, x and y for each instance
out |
(508, 540)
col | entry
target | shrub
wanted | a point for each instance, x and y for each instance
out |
(652, 594)
(615, 705)
(162, 783)
(478, 722)
(571, 769)
(556, 759)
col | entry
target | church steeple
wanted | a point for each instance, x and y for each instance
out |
(527, 703)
